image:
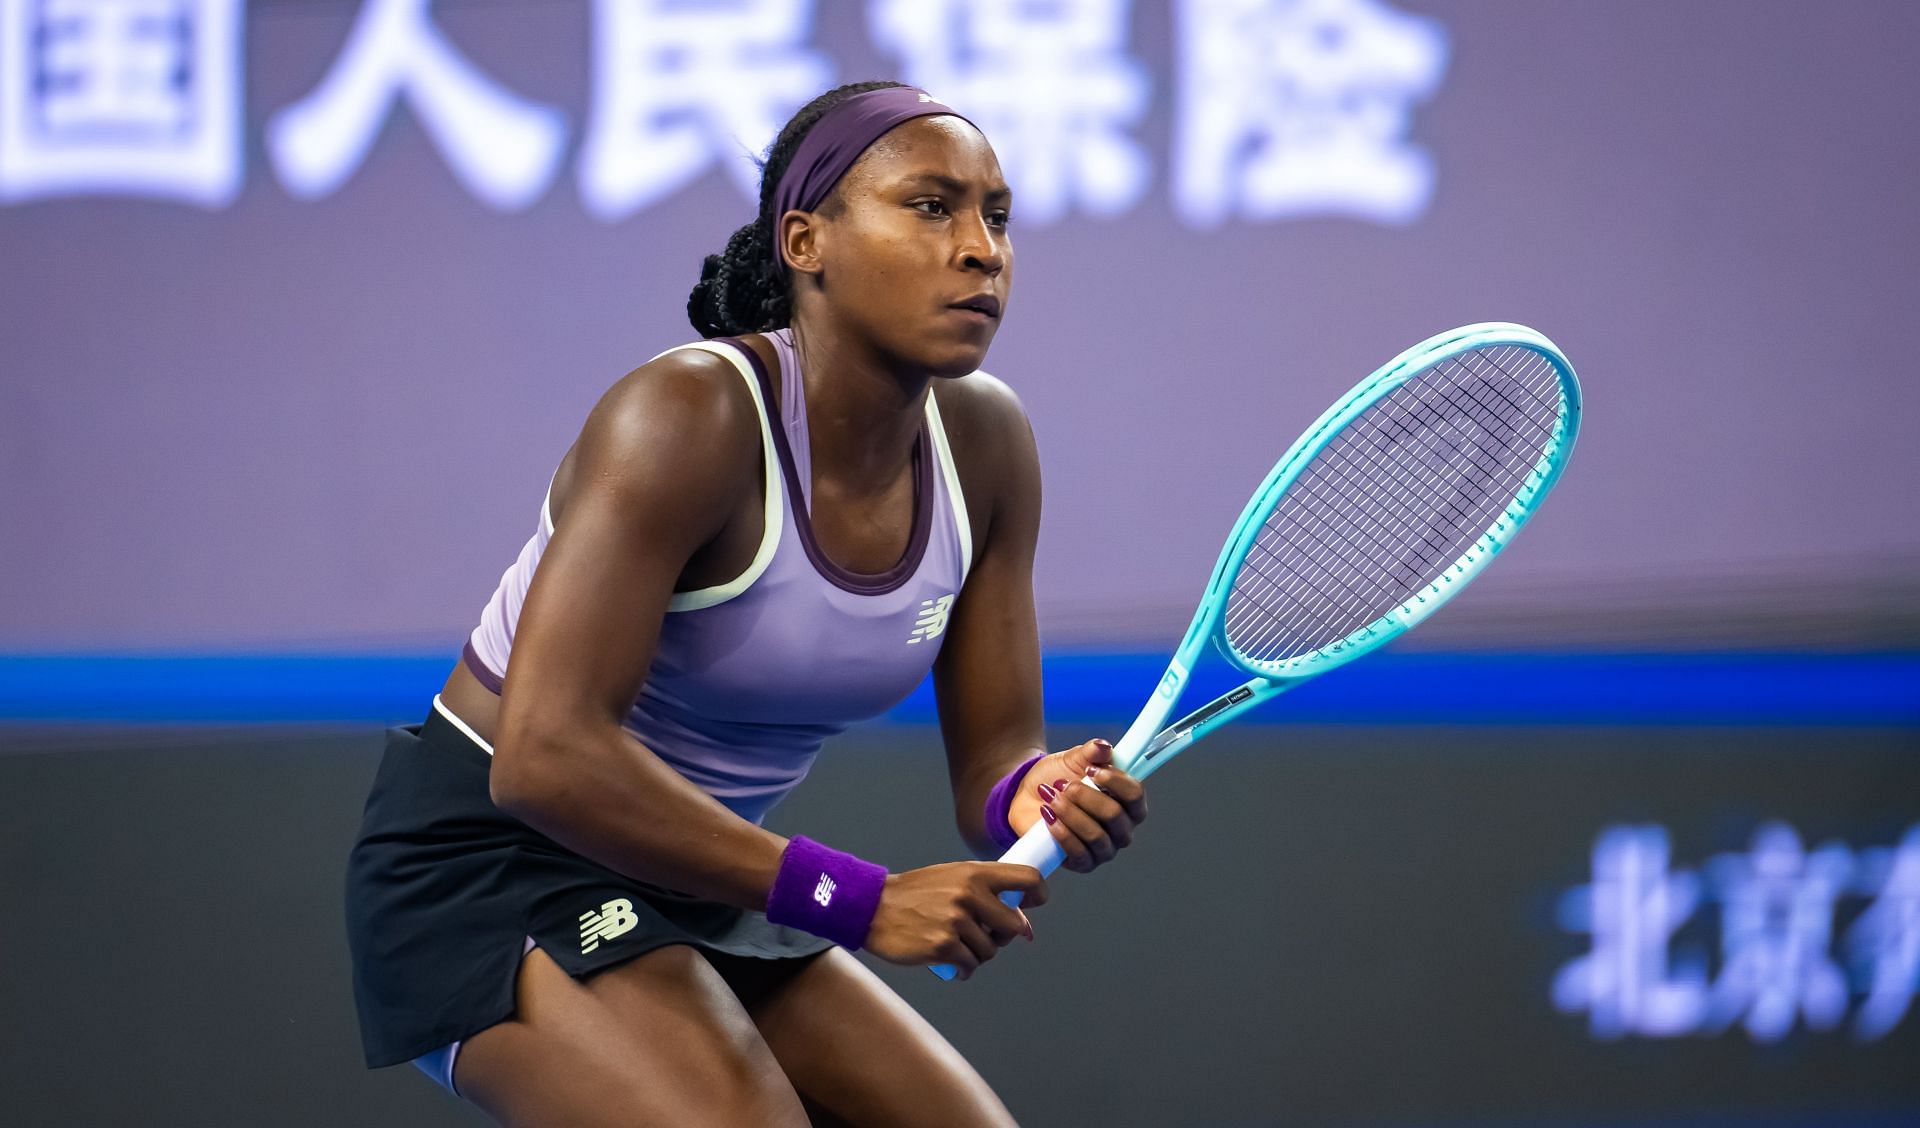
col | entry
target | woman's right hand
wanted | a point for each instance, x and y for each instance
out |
(952, 913)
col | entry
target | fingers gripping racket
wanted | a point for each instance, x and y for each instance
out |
(1375, 517)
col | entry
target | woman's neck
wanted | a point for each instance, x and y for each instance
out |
(863, 413)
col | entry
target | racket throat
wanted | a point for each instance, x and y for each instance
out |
(1189, 728)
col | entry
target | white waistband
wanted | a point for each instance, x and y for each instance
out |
(463, 726)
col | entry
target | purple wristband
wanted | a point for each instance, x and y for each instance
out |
(825, 892)
(1000, 801)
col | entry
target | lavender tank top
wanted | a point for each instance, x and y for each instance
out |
(751, 676)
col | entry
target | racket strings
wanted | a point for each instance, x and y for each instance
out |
(1392, 500)
(1359, 555)
(1352, 551)
(1353, 546)
(1347, 560)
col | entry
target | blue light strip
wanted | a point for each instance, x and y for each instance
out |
(1092, 688)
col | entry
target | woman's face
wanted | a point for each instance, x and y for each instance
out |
(916, 255)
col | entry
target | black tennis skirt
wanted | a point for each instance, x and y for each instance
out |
(444, 889)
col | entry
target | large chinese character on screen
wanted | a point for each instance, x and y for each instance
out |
(503, 147)
(1050, 83)
(1293, 108)
(1776, 923)
(1632, 909)
(678, 89)
(120, 97)
(1884, 942)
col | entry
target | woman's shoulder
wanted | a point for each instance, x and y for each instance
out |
(686, 416)
(992, 445)
(979, 410)
(690, 392)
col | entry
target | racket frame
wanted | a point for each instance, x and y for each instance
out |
(1150, 743)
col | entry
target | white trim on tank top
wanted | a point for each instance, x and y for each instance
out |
(962, 527)
(775, 509)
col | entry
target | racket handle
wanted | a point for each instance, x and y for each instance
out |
(1036, 848)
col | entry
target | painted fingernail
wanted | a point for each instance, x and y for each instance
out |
(1047, 793)
(1103, 744)
(1059, 785)
(1024, 921)
(1047, 814)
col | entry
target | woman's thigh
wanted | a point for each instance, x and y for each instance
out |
(658, 1040)
(860, 1055)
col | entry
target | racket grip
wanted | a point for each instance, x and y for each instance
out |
(1036, 848)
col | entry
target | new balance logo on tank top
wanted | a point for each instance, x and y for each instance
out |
(933, 619)
(752, 676)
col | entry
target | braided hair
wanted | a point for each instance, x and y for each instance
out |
(739, 291)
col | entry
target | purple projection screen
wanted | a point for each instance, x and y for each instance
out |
(304, 302)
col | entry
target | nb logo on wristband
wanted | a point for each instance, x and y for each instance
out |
(823, 892)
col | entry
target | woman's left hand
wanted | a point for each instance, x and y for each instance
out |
(1091, 806)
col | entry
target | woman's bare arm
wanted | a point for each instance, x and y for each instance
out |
(660, 466)
(987, 679)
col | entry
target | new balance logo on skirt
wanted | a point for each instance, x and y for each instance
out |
(823, 892)
(615, 918)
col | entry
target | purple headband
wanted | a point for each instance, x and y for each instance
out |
(836, 141)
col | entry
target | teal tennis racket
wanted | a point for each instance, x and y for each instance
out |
(1377, 516)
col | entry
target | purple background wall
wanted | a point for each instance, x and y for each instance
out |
(327, 423)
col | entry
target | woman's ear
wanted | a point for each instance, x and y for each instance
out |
(800, 236)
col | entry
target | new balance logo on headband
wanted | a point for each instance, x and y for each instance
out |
(933, 619)
(615, 918)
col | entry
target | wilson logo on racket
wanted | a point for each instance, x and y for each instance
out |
(615, 918)
(933, 619)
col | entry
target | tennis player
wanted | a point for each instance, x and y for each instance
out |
(562, 905)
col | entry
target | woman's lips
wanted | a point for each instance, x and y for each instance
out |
(980, 305)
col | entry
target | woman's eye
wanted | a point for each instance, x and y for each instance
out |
(999, 219)
(931, 207)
